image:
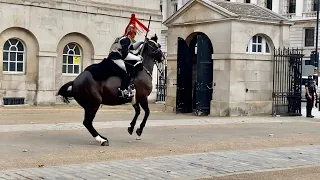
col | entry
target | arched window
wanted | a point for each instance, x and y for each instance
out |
(258, 45)
(13, 56)
(71, 59)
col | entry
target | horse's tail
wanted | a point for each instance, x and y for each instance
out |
(65, 92)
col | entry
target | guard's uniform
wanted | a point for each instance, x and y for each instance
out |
(120, 52)
(309, 84)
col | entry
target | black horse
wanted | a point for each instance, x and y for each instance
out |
(90, 93)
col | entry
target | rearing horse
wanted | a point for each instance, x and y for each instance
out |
(90, 94)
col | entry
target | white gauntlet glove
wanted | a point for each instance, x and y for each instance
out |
(137, 44)
(141, 58)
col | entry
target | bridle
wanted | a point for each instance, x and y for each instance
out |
(154, 51)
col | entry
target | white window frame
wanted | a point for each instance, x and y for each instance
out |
(173, 4)
(263, 45)
(73, 55)
(16, 57)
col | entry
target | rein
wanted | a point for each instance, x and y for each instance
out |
(154, 52)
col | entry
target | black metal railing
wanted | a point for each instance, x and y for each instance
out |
(287, 78)
(161, 85)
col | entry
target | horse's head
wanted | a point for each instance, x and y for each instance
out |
(153, 49)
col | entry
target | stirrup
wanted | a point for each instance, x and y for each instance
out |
(125, 93)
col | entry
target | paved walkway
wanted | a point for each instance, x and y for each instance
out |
(315, 112)
(189, 166)
(150, 123)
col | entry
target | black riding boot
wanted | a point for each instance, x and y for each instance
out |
(124, 91)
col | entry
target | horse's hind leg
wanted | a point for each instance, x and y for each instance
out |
(145, 107)
(134, 120)
(89, 115)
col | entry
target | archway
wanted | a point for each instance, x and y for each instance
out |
(25, 66)
(78, 60)
(194, 74)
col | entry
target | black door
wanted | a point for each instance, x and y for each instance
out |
(204, 76)
(184, 78)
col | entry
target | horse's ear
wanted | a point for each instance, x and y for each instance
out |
(154, 38)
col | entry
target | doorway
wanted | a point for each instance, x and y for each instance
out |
(194, 74)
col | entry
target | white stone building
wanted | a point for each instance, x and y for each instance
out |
(46, 43)
(302, 12)
(168, 7)
(242, 37)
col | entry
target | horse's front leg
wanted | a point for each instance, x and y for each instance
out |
(134, 120)
(89, 115)
(145, 107)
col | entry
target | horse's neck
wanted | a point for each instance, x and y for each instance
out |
(148, 64)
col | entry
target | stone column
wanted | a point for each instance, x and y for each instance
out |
(275, 6)
(164, 10)
(180, 4)
(254, 2)
(46, 78)
(299, 8)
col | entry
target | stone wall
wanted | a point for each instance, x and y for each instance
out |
(242, 81)
(46, 26)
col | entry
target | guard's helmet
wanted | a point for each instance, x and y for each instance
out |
(131, 30)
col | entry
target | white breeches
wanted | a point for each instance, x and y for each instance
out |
(130, 57)
(120, 63)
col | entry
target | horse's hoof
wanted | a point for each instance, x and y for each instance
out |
(106, 143)
(139, 132)
(130, 130)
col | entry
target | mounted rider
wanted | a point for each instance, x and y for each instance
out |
(120, 52)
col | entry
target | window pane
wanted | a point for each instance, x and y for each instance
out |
(13, 41)
(77, 50)
(254, 48)
(70, 68)
(76, 69)
(71, 46)
(267, 48)
(6, 46)
(254, 39)
(5, 66)
(20, 67)
(259, 39)
(12, 57)
(70, 59)
(309, 37)
(5, 56)
(64, 68)
(20, 46)
(12, 66)
(65, 50)
(20, 56)
(71, 52)
(64, 59)
(13, 48)
(76, 60)
(259, 48)
(247, 49)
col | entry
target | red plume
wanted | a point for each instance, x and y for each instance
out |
(136, 25)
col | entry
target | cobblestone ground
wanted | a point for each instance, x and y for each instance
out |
(191, 166)
(197, 139)
(151, 123)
